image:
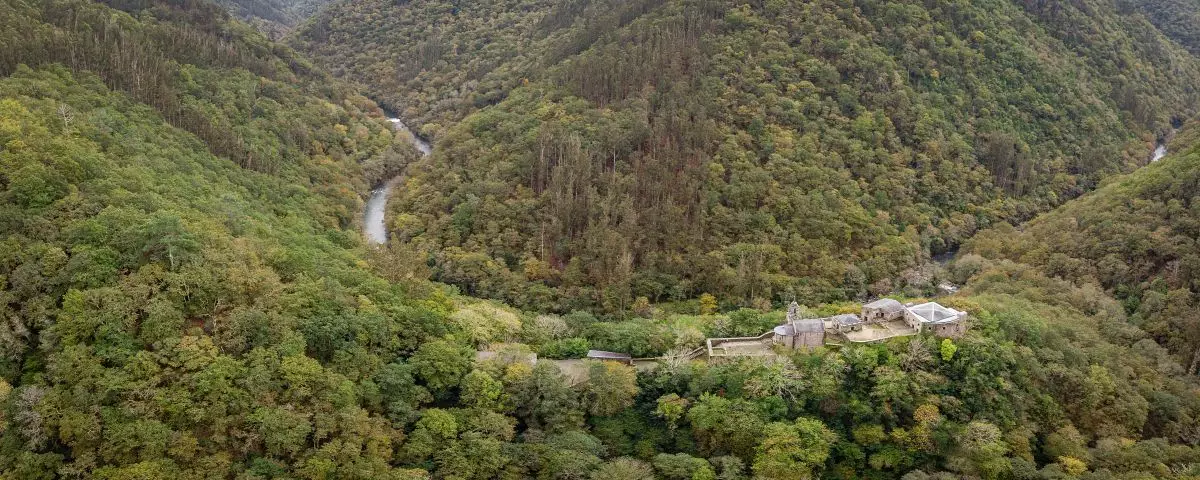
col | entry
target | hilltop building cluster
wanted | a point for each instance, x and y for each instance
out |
(879, 320)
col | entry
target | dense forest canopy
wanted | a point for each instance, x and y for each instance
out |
(1177, 19)
(590, 153)
(1136, 237)
(274, 18)
(184, 292)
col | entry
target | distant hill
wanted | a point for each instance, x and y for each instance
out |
(1177, 19)
(664, 148)
(273, 17)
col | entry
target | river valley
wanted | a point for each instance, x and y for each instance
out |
(374, 224)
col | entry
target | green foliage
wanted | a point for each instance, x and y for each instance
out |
(182, 294)
(480, 390)
(196, 313)
(273, 17)
(793, 450)
(574, 347)
(610, 388)
(1136, 237)
(671, 407)
(708, 304)
(623, 468)
(441, 364)
(594, 152)
(682, 466)
(947, 349)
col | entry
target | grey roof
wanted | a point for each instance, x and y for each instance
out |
(785, 330)
(610, 355)
(934, 313)
(885, 304)
(812, 325)
(846, 319)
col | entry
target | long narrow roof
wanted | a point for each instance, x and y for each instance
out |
(611, 355)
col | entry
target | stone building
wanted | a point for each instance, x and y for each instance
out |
(882, 310)
(847, 322)
(936, 319)
(797, 333)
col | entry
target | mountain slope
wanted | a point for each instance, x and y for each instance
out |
(174, 308)
(178, 200)
(1136, 237)
(436, 62)
(1178, 19)
(273, 17)
(669, 148)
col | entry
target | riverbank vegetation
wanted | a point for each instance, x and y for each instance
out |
(757, 152)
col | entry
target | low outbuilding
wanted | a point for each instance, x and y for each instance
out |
(847, 322)
(882, 310)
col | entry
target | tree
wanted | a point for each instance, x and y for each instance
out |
(441, 364)
(670, 408)
(729, 467)
(610, 388)
(437, 430)
(5, 390)
(480, 390)
(708, 304)
(793, 450)
(682, 466)
(542, 397)
(724, 426)
(283, 432)
(981, 451)
(400, 395)
(947, 349)
(623, 468)
(164, 236)
(1066, 442)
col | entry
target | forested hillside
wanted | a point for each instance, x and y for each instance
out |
(757, 151)
(178, 200)
(273, 17)
(250, 100)
(1177, 19)
(183, 294)
(1135, 237)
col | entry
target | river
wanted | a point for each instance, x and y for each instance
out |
(374, 226)
(1159, 153)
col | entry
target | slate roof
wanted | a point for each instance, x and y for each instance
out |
(608, 355)
(846, 319)
(885, 304)
(814, 325)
